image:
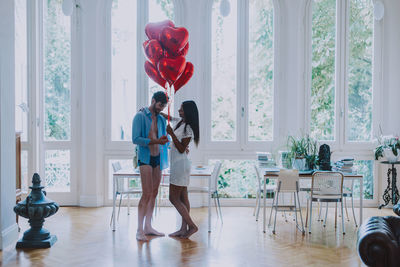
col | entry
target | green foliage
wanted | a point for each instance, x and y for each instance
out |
(57, 73)
(303, 147)
(360, 42)
(387, 142)
(323, 70)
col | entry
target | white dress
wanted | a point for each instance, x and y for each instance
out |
(180, 163)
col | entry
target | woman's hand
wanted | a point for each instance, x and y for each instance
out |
(169, 130)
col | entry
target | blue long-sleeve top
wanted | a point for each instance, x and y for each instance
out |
(140, 131)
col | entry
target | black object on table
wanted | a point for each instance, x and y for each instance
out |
(391, 192)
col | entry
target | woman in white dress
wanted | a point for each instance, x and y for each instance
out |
(186, 130)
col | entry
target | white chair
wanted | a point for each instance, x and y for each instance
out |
(327, 187)
(288, 182)
(213, 190)
(123, 188)
(348, 192)
(260, 191)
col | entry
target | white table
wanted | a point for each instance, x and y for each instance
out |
(273, 174)
(134, 173)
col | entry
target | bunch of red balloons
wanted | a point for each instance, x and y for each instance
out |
(166, 50)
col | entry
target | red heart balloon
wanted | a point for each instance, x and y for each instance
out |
(174, 39)
(145, 43)
(153, 29)
(183, 52)
(171, 68)
(154, 51)
(185, 77)
(153, 73)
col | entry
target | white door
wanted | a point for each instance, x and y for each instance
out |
(56, 113)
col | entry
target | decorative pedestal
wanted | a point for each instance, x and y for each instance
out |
(36, 207)
(391, 192)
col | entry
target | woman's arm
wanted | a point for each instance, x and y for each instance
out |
(181, 146)
(170, 117)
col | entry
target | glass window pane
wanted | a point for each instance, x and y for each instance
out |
(21, 65)
(57, 72)
(323, 70)
(159, 10)
(261, 67)
(57, 170)
(123, 70)
(360, 71)
(237, 179)
(366, 168)
(223, 91)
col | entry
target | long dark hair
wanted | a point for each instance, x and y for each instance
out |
(192, 118)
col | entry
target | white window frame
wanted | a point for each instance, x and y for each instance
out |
(141, 77)
(341, 146)
(242, 144)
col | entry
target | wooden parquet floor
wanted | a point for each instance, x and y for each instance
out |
(85, 239)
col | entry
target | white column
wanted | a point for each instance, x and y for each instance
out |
(92, 166)
(8, 226)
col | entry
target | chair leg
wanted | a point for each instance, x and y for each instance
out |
(276, 211)
(119, 206)
(295, 208)
(301, 216)
(335, 215)
(326, 213)
(283, 203)
(307, 212)
(345, 207)
(272, 207)
(112, 213)
(319, 212)
(341, 202)
(352, 207)
(219, 207)
(309, 226)
(255, 207)
(129, 203)
(258, 208)
(216, 206)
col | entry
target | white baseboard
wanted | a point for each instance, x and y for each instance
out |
(91, 201)
(9, 236)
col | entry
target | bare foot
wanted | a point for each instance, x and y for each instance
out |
(140, 236)
(191, 231)
(181, 232)
(151, 231)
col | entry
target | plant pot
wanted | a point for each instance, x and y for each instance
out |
(299, 164)
(390, 156)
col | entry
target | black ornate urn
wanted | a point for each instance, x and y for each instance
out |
(36, 207)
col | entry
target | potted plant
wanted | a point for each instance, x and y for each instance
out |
(303, 151)
(389, 147)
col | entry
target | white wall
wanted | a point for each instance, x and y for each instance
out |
(8, 227)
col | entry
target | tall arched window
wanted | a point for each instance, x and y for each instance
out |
(261, 70)
(242, 72)
(123, 68)
(224, 79)
(323, 119)
(159, 10)
(341, 81)
(124, 52)
(359, 113)
(242, 91)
